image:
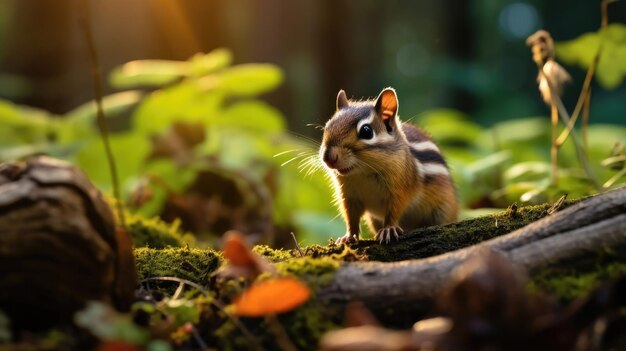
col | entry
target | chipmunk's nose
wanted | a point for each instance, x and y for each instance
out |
(331, 156)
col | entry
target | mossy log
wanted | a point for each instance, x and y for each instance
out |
(58, 245)
(582, 232)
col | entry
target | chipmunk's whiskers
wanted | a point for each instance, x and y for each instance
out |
(314, 143)
(288, 152)
(310, 164)
(296, 157)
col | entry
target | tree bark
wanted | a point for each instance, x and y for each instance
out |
(579, 232)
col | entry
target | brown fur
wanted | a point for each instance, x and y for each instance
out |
(384, 184)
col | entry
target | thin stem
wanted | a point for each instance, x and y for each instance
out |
(582, 158)
(179, 281)
(614, 178)
(554, 148)
(584, 96)
(612, 160)
(97, 89)
(297, 245)
(604, 13)
(585, 126)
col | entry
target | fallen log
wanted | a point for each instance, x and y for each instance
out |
(580, 232)
(58, 245)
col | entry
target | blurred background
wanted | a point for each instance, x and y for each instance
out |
(461, 68)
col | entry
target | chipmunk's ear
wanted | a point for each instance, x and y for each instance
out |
(387, 104)
(342, 100)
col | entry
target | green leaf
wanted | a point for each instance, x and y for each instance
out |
(182, 102)
(611, 41)
(533, 129)
(535, 196)
(112, 105)
(450, 127)
(527, 172)
(203, 64)
(487, 164)
(147, 73)
(182, 310)
(255, 116)
(247, 80)
(23, 125)
(239, 150)
(130, 151)
(80, 124)
(107, 324)
(579, 51)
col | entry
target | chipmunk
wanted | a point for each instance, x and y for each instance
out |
(385, 170)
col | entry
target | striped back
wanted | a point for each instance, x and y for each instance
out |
(430, 161)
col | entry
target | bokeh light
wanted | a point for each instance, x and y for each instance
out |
(518, 20)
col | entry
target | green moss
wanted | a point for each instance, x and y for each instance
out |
(273, 255)
(307, 324)
(431, 241)
(314, 251)
(155, 233)
(316, 272)
(566, 284)
(192, 264)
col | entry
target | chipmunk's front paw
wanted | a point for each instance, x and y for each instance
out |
(386, 234)
(348, 239)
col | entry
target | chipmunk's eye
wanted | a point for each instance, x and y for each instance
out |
(366, 132)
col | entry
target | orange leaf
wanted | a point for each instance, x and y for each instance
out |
(236, 250)
(271, 297)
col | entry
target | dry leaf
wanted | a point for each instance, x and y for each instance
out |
(542, 47)
(236, 250)
(242, 262)
(271, 297)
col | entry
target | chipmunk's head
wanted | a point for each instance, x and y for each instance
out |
(360, 133)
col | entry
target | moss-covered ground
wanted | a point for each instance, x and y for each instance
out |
(155, 233)
(316, 266)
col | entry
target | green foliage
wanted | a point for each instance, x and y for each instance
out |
(240, 135)
(182, 310)
(104, 323)
(233, 133)
(611, 42)
(510, 162)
